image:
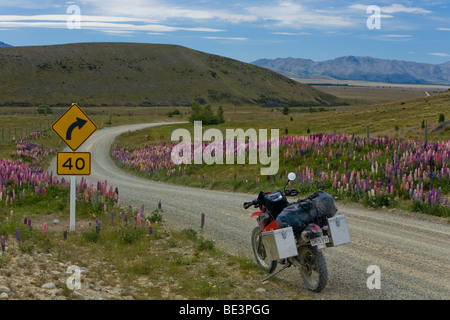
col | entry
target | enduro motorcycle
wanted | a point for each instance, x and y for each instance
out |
(296, 233)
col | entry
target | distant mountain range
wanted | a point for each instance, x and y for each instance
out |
(362, 69)
(2, 44)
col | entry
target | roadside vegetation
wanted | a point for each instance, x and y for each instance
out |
(125, 253)
(398, 167)
(128, 251)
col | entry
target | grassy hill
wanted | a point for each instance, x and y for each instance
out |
(141, 74)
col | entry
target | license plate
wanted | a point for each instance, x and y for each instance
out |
(320, 240)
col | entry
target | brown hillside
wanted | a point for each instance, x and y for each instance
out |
(141, 74)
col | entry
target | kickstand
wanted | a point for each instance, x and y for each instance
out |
(288, 264)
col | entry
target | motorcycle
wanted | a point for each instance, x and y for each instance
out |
(274, 244)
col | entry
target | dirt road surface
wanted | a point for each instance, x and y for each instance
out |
(411, 250)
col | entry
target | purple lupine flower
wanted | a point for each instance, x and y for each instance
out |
(142, 211)
(97, 227)
(3, 243)
(25, 220)
(150, 230)
(202, 224)
(65, 235)
(159, 205)
(29, 224)
(17, 234)
(125, 219)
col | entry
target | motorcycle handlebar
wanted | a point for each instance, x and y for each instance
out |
(289, 193)
(249, 204)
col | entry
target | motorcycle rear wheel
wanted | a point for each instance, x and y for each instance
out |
(260, 252)
(313, 269)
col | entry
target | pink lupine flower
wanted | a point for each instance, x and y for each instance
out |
(139, 222)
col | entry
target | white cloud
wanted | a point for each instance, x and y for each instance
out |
(112, 24)
(294, 15)
(399, 36)
(364, 7)
(292, 33)
(394, 8)
(169, 15)
(64, 17)
(439, 54)
(163, 10)
(443, 29)
(226, 38)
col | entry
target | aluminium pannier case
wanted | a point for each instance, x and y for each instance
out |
(338, 231)
(279, 244)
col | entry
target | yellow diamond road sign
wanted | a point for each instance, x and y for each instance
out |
(74, 127)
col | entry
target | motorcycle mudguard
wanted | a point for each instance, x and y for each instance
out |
(272, 226)
(256, 214)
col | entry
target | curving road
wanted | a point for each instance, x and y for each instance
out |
(412, 253)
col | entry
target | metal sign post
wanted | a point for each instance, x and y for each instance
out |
(73, 200)
(74, 127)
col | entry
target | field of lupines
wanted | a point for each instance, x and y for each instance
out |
(381, 172)
(24, 184)
(23, 181)
(28, 150)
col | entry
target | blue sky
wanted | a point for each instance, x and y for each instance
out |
(244, 30)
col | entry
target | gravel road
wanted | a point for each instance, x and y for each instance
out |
(411, 250)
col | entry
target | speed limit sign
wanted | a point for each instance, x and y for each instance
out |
(74, 163)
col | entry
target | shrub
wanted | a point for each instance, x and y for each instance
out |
(91, 236)
(204, 245)
(206, 114)
(378, 201)
(175, 112)
(156, 216)
(44, 109)
(130, 235)
(190, 233)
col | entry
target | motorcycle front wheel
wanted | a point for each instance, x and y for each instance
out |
(260, 252)
(313, 268)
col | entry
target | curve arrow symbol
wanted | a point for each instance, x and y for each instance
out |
(78, 123)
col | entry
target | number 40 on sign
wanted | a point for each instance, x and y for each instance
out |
(74, 163)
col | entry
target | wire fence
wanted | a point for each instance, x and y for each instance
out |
(16, 132)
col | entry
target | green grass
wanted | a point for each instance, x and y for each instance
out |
(171, 260)
(399, 120)
(180, 264)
